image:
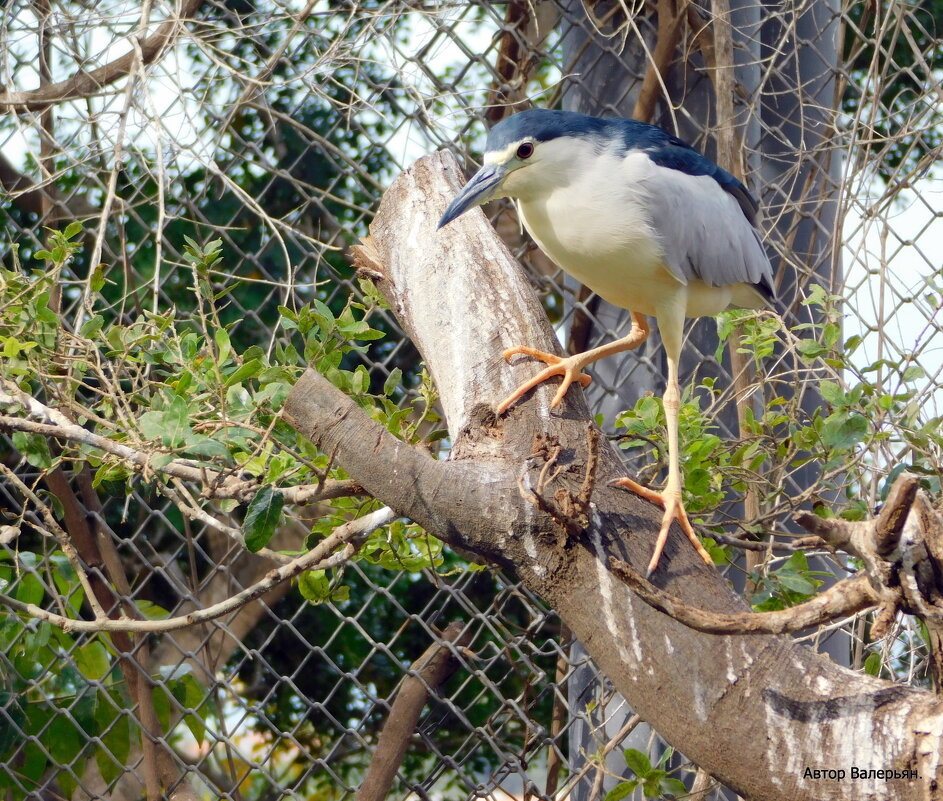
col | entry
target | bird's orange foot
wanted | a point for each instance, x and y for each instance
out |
(674, 508)
(570, 368)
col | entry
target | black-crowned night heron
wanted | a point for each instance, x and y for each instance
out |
(646, 222)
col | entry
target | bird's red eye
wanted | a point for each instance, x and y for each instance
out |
(526, 150)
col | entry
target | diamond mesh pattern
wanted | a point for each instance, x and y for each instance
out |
(276, 127)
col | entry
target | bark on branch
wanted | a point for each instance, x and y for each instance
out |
(753, 711)
(902, 553)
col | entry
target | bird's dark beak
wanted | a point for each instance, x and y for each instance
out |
(481, 188)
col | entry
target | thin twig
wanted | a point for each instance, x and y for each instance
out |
(217, 484)
(349, 535)
(65, 544)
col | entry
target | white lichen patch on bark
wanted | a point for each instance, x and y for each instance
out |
(699, 694)
(929, 747)
(606, 588)
(728, 655)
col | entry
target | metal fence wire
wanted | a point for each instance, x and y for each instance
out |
(275, 128)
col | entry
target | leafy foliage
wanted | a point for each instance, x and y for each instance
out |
(176, 389)
(654, 780)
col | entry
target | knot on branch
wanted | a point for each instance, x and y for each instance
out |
(901, 549)
(569, 509)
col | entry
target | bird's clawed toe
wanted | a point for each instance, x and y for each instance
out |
(674, 510)
(570, 368)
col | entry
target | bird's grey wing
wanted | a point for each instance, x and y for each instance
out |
(703, 231)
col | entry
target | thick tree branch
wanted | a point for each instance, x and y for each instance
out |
(34, 198)
(900, 551)
(671, 15)
(425, 676)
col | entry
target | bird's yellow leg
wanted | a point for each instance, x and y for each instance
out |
(670, 497)
(571, 367)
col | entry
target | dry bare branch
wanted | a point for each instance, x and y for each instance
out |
(841, 600)
(83, 84)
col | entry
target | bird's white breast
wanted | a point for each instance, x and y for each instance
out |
(594, 225)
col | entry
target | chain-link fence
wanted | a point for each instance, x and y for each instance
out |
(274, 128)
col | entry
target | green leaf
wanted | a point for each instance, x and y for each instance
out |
(151, 611)
(12, 347)
(162, 704)
(33, 766)
(10, 704)
(798, 562)
(809, 348)
(73, 229)
(872, 665)
(190, 695)
(93, 661)
(830, 334)
(314, 586)
(652, 785)
(63, 740)
(223, 345)
(638, 762)
(201, 445)
(843, 430)
(262, 517)
(248, 370)
(360, 381)
(673, 788)
(832, 393)
(111, 471)
(34, 448)
(621, 790)
(92, 326)
(117, 738)
(796, 583)
(170, 425)
(98, 278)
(394, 380)
(649, 410)
(29, 589)
(323, 315)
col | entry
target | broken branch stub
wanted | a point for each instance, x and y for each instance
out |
(901, 549)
